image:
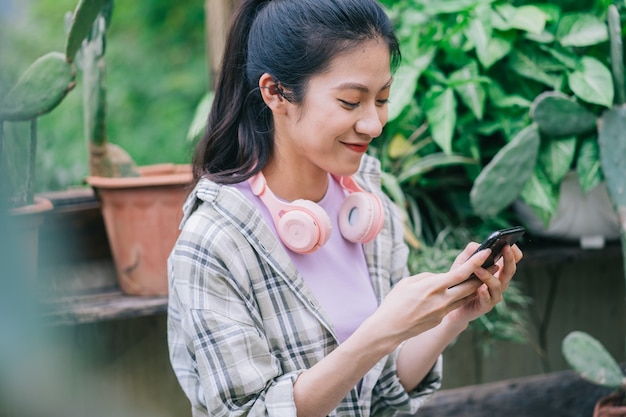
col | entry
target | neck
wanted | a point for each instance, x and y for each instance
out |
(291, 186)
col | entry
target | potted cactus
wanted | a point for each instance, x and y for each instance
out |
(591, 361)
(564, 146)
(40, 89)
(141, 206)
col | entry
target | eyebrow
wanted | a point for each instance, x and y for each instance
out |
(361, 87)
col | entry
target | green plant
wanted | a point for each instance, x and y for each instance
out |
(87, 41)
(588, 357)
(37, 92)
(585, 354)
(462, 94)
(566, 131)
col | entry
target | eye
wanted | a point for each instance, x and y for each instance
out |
(349, 104)
(382, 102)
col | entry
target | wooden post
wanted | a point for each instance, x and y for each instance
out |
(217, 18)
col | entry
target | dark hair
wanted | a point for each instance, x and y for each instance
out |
(292, 40)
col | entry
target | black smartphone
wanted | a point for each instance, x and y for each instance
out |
(497, 241)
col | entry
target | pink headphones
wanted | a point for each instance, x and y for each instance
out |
(303, 226)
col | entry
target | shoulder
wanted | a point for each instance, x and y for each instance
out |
(216, 218)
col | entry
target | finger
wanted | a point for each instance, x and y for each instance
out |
(517, 252)
(462, 257)
(509, 266)
(462, 272)
(493, 286)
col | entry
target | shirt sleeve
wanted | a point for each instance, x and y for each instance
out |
(217, 347)
(391, 398)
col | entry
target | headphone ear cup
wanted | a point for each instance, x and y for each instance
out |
(361, 217)
(305, 227)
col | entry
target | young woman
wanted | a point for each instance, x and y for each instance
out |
(289, 292)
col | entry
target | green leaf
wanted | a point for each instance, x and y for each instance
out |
(613, 153)
(581, 29)
(525, 18)
(440, 107)
(541, 195)
(40, 89)
(529, 19)
(198, 124)
(402, 90)
(568, 59)
(556, 157)
(478, 34)
(420, 166)
(449, 6)
(591, 360)
(399, 146)
(502, 179)
(472, 93)
(392, 186)
(405, 83)
(497, 48)
(531, 67)
(558, 115)
(552, 11)
(82, 19)
(592, 82)
(544, 37)
(588, 164)
(502, 100)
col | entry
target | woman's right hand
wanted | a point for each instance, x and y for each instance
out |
(420, 302)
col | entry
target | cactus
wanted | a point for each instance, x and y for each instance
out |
(47, 81)
(611, 139)
(559, 116)
(105, 159)
(586, 355)
(500, 181)
(591, 360)
(38, 91)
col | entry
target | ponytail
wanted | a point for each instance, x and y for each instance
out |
(225, 152)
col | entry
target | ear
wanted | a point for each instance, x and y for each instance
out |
(270, 91)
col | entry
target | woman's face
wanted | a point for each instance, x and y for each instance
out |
(343, 109)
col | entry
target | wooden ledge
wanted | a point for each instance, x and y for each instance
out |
(106, 305)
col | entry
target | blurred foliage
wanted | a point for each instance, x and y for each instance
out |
(156, 75)
(469, 73)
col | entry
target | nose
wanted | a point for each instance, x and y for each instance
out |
(372, 121)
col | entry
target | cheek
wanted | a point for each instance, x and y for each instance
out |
(383, 114)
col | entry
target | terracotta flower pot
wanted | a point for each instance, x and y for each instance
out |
(142, 215)
(610, 406)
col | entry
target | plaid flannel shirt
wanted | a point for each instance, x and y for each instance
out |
(242, 323)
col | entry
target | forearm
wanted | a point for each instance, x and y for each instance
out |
(318, 390)
(419, 354)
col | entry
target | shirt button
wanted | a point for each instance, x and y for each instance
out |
(312, 303)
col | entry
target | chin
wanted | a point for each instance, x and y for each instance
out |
(347, 170)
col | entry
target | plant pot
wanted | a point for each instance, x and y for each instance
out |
(587, 218)
(142, 215)
(25, 222)
(610, 406)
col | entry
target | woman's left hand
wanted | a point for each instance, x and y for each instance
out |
(495, 280)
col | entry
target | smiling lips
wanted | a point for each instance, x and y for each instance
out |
(358, 147)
